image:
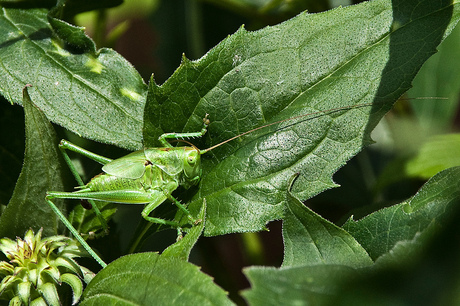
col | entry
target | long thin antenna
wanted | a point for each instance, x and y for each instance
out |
(332, 110)
(426, 98)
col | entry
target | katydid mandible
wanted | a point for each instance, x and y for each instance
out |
(148, 176)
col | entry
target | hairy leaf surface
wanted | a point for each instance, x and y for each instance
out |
(149, 278)
(367, 53)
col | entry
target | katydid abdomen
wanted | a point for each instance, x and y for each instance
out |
(152, 179)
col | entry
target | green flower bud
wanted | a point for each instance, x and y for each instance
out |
(37, 267)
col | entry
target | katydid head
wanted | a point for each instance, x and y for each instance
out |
(192, 167)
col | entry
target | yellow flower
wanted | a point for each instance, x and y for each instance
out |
(37, 267)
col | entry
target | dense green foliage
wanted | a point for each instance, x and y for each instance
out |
(346, 67)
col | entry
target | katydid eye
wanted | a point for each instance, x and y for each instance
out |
(191, 159)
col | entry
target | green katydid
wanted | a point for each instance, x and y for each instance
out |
(148, 176)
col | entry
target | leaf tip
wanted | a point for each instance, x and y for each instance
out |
(25, 94)
(241, 30)
(185, 60)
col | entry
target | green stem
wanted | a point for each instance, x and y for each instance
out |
(135, 244)
(100, 28)
(195, 28)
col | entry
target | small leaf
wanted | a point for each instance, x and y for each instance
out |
(148, 278)
(77, 287)
(27, 207)
(309, 239)
(24, 292)
(16, 301)
(49, 293)
(73, 35)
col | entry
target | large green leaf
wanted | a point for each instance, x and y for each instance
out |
(99, 96)
(151, 279)
(42, 171)
(367, 53)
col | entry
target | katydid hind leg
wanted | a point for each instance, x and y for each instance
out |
(65, 145)
(114, 196)
(75, 233)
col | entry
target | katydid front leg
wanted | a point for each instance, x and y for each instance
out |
(74, 232)
(159, 196)
(163, 138)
